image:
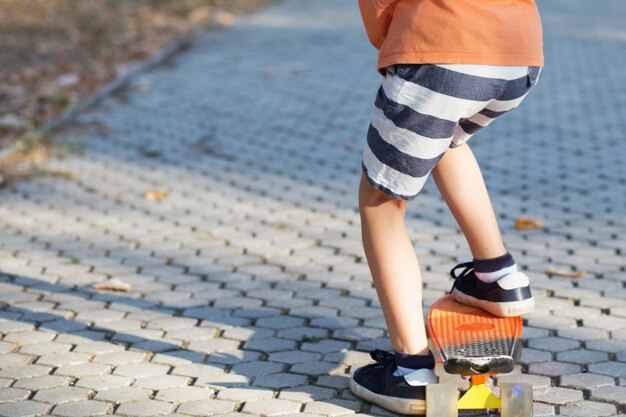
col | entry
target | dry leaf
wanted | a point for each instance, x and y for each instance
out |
(224, 19)
(114, 284)
(156, 195)
(526, 223)
(564, 273)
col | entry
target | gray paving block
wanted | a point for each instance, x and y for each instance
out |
(23, 409)
(161, 382)
(307, 393)
(557, 395)
(332, 407)
(270, 407)
(279, 380)
(587, 408)
(25, 371)
(123, 395)
(81, 408)
(41, 382)
(205, 407)
(144, 408)
(13, 394)
(581, 356)
(100, 382)
(612, 394)
(586, 381)
(182, 394)
(615, 369)
(84, 369)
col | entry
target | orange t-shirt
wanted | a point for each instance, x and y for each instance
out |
(488, 32)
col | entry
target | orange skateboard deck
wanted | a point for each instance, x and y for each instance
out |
(471, 341)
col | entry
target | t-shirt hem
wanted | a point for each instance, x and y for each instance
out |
(459, 58)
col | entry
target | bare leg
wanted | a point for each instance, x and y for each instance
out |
(394, 268)
(461, 184)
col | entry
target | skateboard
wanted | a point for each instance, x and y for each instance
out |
(473, 343)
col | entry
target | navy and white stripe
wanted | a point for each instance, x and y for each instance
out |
(422, 110)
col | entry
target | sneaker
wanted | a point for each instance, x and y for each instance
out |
(377, 384)
(507, 297)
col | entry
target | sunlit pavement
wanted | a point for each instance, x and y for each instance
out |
(222, 188)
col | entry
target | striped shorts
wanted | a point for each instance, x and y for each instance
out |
(422, 110)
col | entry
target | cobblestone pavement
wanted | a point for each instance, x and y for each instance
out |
(249, 289)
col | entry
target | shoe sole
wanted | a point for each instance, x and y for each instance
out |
(395, 404)
(504, 309)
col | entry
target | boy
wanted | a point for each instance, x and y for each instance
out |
(450, 67)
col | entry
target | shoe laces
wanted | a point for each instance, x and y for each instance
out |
(468, 270)
(382, 357)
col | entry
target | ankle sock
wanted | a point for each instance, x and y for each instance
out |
(406, 363)
(491, 270)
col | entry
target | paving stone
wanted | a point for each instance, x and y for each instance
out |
(13, 394)
(223, 381)
(81, 408)
(123, 395)
(14, 359)
(28, 337)
(205, 407)
(537, 381)
(258, 368)
(98, 348)
(84, 369)
(293, 357)
(197, 370)
(332, 408)
(317, 368)
(25, 371)
(279, 380)
(23, 409)
(161, 382)
(586, 381)
(66, 358)
(270, 345)
(307, 393)
(587, 408)
(100, 382)
(612, 394)
(615, 369)
(213, 345)
(144, 408)
(581, 356)
(535, 356)
(183, 394)
(136, 370)
(244, 394)
(557, 395)
(611, 346)
(553, 344)
(554, 368)
(41, 382)
(271, 407)
(120, 358)
(582, 334)
(325, 346)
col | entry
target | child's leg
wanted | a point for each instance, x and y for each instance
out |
(394, 268)
(461, 184)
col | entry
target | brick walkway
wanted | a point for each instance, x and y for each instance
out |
(249, 289)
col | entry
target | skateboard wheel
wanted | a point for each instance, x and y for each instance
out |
(517, 400)
(442, 400)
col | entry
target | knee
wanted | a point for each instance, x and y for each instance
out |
(372, 197)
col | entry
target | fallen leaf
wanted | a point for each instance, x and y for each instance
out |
(156, 195)
(564, 273)
(223, 18)
(114, 284)
(526, 223)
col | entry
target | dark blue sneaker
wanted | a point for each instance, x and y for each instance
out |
(509, 296)
(377, 384)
